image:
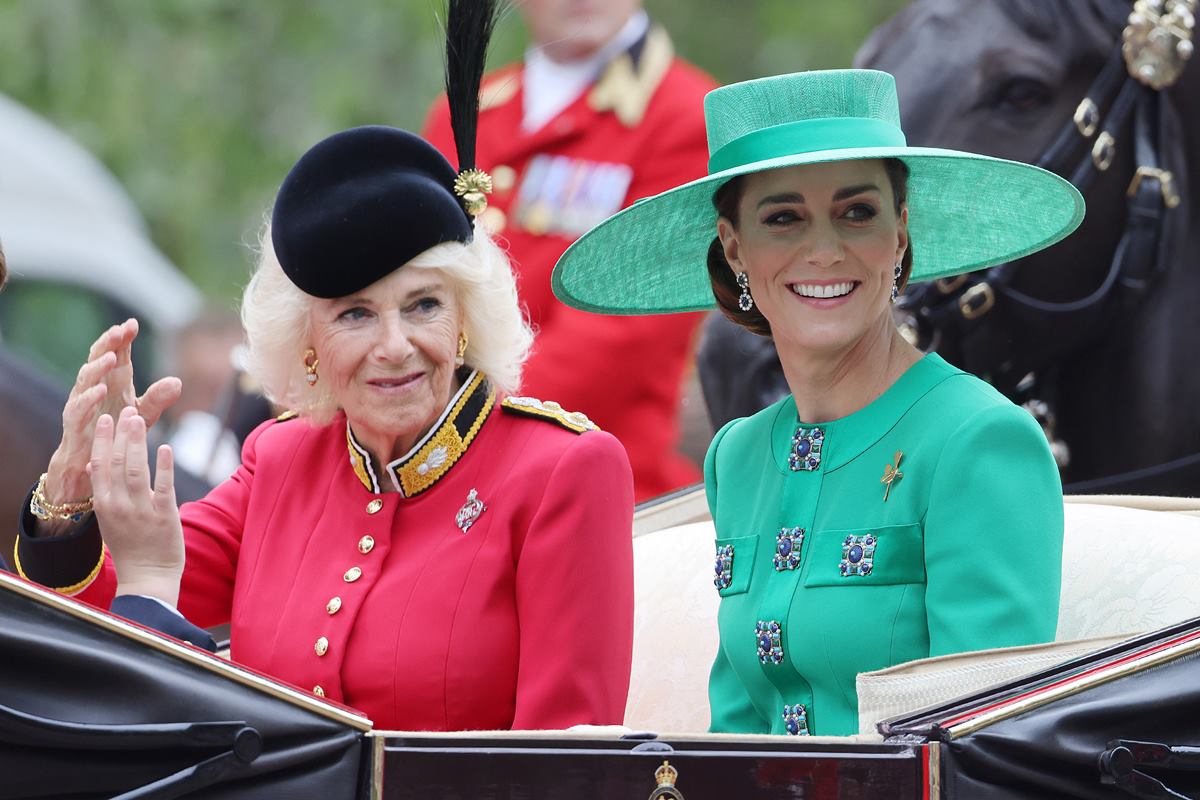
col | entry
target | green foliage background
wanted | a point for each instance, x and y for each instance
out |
(200, 106)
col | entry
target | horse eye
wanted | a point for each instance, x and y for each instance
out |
(1023, 94)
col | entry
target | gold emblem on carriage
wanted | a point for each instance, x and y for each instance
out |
(1157, 40)
(666, 775)
(891, 474)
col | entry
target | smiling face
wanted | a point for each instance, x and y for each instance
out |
(819, 243)
(388, 354)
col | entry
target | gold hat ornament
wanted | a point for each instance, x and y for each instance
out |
(473, 186)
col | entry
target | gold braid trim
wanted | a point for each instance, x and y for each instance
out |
(74, 588)
(445, 447)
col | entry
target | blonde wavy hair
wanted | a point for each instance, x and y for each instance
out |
(275, 315)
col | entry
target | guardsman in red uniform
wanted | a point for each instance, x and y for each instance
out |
(599, 114)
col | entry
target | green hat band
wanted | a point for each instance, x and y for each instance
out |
(805, 136)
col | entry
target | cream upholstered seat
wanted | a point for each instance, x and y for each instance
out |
(1129, 565)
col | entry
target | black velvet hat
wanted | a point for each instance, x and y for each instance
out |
(365, 201)
(360, 204)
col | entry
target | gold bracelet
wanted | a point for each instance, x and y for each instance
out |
(43, 509)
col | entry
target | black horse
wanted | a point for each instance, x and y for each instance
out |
(1105, 345)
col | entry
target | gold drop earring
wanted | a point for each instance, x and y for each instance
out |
(310, 367)
(460, 357)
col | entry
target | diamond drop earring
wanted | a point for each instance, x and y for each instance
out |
(896, 281)
(745, 301)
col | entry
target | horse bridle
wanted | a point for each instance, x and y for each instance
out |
(1156, 43)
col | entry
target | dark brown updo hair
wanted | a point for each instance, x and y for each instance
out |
(724, 284)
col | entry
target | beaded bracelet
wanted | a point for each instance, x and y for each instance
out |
(43, 509)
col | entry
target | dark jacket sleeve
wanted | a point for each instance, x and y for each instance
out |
(150, 613)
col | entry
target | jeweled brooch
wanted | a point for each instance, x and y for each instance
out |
(795, 719)
(723, 567)
(769, 635)
(787, 548)
(806, 449)
(858, 555)
(470, 511)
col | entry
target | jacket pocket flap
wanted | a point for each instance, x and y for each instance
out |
(866, 556)
(734, 564)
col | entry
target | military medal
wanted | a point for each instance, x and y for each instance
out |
(891, 473)
(470, 511)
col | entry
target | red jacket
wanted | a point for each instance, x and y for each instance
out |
(590, 161)
(523, 620)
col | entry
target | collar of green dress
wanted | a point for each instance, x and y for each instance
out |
(439, 450)
(848, 437)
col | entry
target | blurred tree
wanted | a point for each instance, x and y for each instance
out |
(200, 106)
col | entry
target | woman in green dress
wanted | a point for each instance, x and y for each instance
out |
(892, 507)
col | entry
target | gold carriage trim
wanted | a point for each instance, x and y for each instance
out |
(439, 450)
(74, 588)
(551, 411)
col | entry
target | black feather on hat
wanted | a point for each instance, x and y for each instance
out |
(367, 200)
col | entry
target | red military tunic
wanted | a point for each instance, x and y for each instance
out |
(638, 131)
(421, 608)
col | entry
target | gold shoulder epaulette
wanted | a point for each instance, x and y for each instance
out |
(626, 88)
(285, 416)
(551, 412)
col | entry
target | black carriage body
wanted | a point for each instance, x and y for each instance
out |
(709, 768)
(94, 707)
(1120, 722)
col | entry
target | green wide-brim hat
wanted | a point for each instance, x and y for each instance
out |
(965, 211)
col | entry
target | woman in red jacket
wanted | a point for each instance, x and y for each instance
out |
(420, 543)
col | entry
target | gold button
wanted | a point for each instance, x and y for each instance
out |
(322, 646)
(318, 691)
(374, 506)
(352, 574)
(504, 177)
(366, 544)
(334, 605)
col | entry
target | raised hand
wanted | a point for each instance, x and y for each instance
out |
(140, 524)
(104, 385)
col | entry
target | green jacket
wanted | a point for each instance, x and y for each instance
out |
(821, 578)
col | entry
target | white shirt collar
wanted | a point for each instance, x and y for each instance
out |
(551, 86)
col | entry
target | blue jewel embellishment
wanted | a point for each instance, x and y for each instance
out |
(795, 719)
(787, 548)
(724, 567)
(769, 635)
(806, 449)
(858, 556)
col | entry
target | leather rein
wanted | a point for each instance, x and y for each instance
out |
(1154, 45)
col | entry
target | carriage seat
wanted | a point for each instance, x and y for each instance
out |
(1128, 566)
